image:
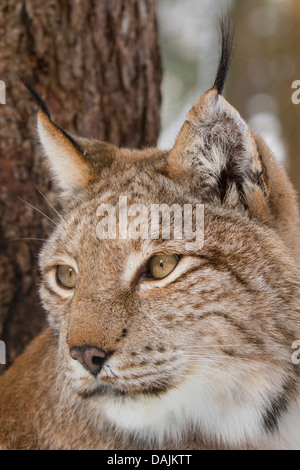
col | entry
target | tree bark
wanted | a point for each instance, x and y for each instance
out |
(97, 65)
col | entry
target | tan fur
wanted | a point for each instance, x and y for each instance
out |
(198, 360)
(63, 156)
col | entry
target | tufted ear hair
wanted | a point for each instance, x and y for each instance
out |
(215, 153)
(65, 156)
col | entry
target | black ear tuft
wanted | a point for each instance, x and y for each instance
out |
(227, 31)
(43, 107)
(39, 101)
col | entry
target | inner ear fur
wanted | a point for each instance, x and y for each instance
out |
(64, 156)
(74, 162)
(216, 154)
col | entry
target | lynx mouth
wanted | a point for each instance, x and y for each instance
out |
(112, 391)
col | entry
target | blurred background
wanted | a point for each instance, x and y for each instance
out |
(266, 62)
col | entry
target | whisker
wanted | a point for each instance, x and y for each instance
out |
(244, 368)
(211, 346)
(212, 371)
(222, 357)
(220, 371)
(105, 370)
(36, 209)
(24, 239)
(49, 203)
(226, 374)
(111, 371)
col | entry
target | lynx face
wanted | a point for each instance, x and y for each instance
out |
(160, 338)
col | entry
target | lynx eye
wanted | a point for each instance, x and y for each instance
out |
(66, 276)
(161, 265)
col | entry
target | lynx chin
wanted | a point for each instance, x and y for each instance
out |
(158, 343)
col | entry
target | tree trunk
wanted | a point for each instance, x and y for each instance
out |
(97, 64)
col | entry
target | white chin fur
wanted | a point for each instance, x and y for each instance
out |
(191, 406)
(215, 408)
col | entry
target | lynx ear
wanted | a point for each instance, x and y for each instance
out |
(215, 152)
(64, 155)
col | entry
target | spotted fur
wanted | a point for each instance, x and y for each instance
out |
(198, 360)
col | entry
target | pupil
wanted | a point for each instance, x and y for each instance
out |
(70, 273)
(96, 360)
(161, 264)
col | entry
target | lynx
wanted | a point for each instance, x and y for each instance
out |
(152, 344)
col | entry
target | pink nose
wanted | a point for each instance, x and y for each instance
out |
(91, 358)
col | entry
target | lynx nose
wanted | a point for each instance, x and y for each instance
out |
(90, 357)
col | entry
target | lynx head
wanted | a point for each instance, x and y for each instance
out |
(161, 338)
